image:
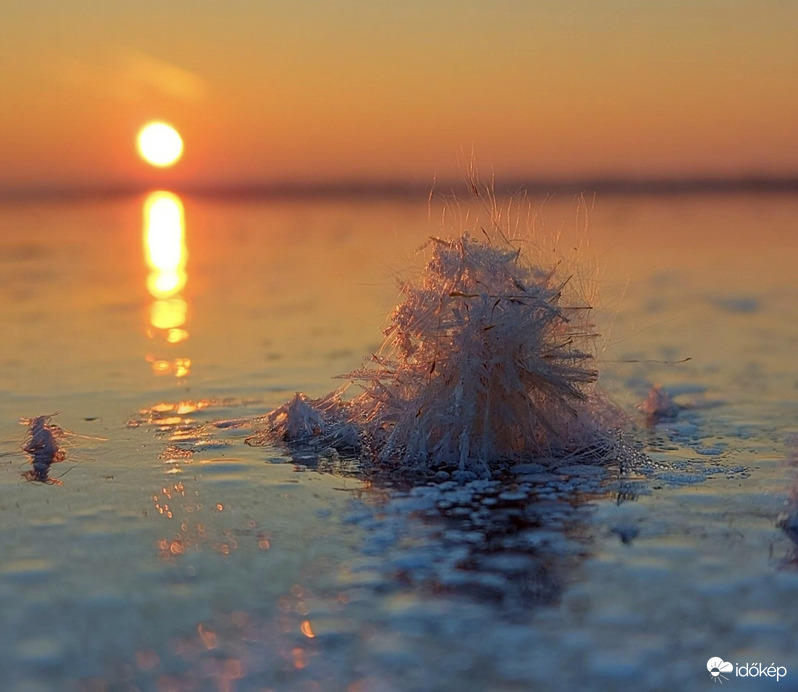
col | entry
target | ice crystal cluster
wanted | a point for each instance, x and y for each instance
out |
(42, 444)
(486, 361)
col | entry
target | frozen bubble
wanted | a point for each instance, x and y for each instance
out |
(457, 536)
(512, 496)
(483, 486)
(521, 469)
(426, 491)
(413, 504)
(540, 478)
(679, 479)
(582, 470)
(464, 476)
(459, 512)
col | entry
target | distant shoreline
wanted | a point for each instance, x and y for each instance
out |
(399, 189)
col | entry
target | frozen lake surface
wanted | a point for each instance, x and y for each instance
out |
(174, 556)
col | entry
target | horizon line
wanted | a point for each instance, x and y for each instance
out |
(407, 188)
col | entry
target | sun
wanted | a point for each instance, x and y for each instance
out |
(159, 144)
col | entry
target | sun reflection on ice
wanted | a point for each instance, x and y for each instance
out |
(165, 254)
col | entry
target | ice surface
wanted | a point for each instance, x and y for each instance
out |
(269, 578)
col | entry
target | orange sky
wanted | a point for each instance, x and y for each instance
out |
(341, 90)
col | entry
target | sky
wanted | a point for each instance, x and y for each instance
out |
(335, 91)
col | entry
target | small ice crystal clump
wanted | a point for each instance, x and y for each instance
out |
(42, 444)
(659, 406)
(485, 362)
(312, 422)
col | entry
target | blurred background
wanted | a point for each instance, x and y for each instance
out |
(350, 93)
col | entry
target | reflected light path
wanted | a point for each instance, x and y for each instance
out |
(164, 242)
(165, 254)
